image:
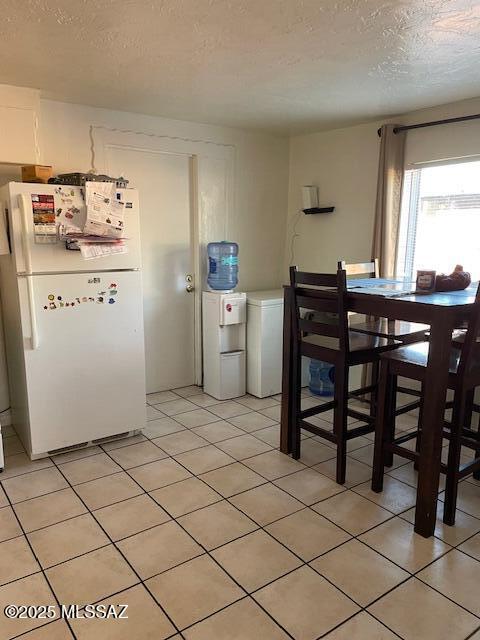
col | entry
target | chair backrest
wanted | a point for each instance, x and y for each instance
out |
(470, 353)
(365, 269)
(320, 293)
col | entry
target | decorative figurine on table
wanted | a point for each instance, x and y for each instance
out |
(425, 281)
(456, 281)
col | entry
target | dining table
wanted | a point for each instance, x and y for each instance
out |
(396, 299)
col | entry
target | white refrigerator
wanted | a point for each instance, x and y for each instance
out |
(73, 328)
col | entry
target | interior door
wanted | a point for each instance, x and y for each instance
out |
(163, 183)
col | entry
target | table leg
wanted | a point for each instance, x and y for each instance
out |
(287, 395)
(435, 391)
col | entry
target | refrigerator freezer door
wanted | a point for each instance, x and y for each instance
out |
(34, 257)
(85, 376)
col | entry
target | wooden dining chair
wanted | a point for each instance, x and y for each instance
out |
(472, 407)
(404, 332)
(324, 335)
(464, 376)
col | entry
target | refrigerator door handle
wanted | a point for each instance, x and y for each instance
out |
(25, 209)
(31, 312)
(4, 243)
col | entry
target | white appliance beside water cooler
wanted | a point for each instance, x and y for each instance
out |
(265, 344)
(74, 331)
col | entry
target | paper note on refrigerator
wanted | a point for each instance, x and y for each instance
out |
(105, 214)
(90, 250)
(45, 231)
(70, 210)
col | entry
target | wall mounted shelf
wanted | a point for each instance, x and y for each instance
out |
(318, 210)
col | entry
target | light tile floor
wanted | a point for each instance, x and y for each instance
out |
(208, 532)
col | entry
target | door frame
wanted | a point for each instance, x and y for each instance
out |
(211, 169)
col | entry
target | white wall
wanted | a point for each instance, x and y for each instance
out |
(257, 219)
(343, 162)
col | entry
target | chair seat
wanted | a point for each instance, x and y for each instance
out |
(358, 342)
(416, 355)
(405, 332)
(458, 337)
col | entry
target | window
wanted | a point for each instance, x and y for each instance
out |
(440, 219)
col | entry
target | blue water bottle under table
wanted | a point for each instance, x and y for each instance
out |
(322, 376)
(222, 266)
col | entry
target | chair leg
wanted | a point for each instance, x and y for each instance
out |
(476, 474)
(340, 419)
(453, 465)
(419, 432)
(374, 394)
(297, 404)
(469, 408)
(381, 428)
(468, 423)
(390, 416)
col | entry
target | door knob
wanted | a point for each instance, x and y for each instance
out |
(189, 288)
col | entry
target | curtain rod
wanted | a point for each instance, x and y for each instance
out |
(434, 123)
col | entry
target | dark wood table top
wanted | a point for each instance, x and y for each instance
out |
(400, 291)
(412, 307)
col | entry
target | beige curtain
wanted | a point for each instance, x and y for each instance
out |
(389, 193)
(387, 208)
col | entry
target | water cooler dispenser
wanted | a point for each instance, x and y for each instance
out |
(224, 318)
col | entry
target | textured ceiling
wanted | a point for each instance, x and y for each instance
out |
(280, 65)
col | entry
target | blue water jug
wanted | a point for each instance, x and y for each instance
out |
(322, 376)
(222, 265)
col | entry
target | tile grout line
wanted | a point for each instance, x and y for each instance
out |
(151, 439)
(303, 562)
(304, 505)
(394, 515)
(123, 556)
(206, 551)
(472, 634)
(25, 633)
(261, 527)
(57, 564)
(306, 563)
(221, 498)
(42, 570)
(174, 519)
(415, 575)
(267, 481)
